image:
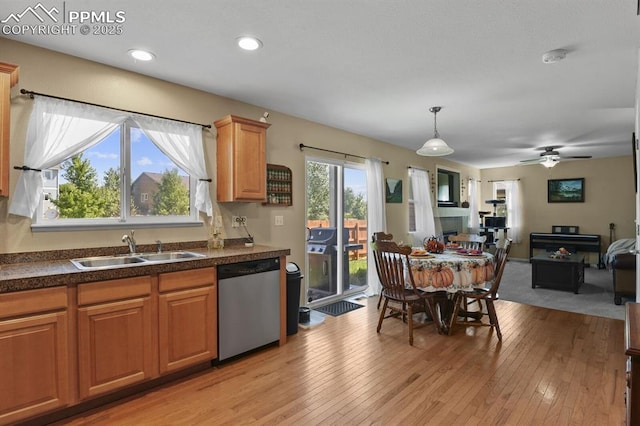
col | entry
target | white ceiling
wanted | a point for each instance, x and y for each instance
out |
(374, 67)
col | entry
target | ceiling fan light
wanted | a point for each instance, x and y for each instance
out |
(434, 148)
(549, 162)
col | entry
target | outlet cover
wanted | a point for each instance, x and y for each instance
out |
(279, 220)
(235, 221)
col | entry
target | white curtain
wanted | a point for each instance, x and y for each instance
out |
(425, 221)
(182, 143)
(514, 209)
(474, 216)
(59, 129)
(376, 217)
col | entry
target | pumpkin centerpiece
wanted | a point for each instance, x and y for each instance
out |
(433, 245)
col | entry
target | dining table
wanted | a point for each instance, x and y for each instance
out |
(448, 273)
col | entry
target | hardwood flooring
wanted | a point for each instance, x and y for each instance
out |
(552, 368)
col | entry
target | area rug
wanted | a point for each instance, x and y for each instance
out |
(338, 308)
(595, 296)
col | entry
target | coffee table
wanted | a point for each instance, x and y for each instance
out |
(564, 274)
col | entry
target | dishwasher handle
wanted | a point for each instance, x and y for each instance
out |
(248, 268)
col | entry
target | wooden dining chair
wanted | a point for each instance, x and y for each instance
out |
(469, 241)
(479, 295)
(401, 297)
(379, 236)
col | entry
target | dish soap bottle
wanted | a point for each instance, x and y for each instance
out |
(214, 241)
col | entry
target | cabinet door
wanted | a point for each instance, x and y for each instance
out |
(250, 163)
(33, 365)
(241, 159)
(8, 79)
(188, 328)
(114, 345)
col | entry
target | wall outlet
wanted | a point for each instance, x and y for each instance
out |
(279, 220)
(237, 221)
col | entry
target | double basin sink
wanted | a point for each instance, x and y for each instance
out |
(118, 261)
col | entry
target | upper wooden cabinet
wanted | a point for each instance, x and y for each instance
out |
(241, 159)
(8, 79)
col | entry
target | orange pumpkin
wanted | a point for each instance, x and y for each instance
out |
(432, 245)
(441, 277)
(477, 274)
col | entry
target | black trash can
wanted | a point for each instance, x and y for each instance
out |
(294, 278)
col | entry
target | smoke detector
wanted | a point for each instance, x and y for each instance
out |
(553, 56)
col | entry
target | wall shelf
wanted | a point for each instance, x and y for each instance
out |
(279, 186)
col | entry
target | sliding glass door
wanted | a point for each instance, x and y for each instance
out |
(336, 230)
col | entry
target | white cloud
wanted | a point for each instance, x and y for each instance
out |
(144, 161)
(98, 154)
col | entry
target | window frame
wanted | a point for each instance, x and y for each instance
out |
(125, 220)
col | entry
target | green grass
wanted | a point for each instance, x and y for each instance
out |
(358, 272)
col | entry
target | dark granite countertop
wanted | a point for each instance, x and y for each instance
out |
(33, 270)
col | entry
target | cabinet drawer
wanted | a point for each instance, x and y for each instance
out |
(107, 291)
(186, 279)
(32, 301)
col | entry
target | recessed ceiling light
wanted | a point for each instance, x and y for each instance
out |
(141, 55)
(249, 43)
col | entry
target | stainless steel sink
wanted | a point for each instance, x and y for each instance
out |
(110, 262)
(104, 262)
(169, 255)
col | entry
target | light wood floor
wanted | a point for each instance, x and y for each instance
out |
(552, 368)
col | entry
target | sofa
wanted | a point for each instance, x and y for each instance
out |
(624, 277)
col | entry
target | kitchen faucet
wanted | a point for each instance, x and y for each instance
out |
(130, 241)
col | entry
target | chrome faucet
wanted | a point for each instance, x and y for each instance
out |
(130, 241)
(159, 246)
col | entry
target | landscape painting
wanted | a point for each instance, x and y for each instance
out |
(393, 190)
(566, 190)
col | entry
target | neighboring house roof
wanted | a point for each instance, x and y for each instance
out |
(157, 177)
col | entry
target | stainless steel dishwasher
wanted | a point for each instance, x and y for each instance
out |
(248, 306)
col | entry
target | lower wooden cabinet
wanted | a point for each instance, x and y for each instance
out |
(34, 361)
(115, 335)
(187, 329)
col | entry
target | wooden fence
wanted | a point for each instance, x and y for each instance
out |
(357, 234)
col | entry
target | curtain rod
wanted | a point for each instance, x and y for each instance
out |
(32, 93)
(302, 146)
(419, 168)
(502, 180)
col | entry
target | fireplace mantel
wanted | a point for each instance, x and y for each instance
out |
(451, 212)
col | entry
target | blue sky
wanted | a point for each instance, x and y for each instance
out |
(145, 156)
(356, 179)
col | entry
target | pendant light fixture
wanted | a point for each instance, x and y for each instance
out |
(435, 147)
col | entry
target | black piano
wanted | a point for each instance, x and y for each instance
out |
(572, 242)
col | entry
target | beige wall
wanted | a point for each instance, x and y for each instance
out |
(609, 198)
(609, 182)
(66, 76)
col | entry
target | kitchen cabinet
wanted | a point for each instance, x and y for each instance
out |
(8, 79)
(115, 335)
(187, 318)
(241, 159)
(34, 359)
(279, 186)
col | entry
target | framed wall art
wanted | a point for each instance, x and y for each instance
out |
(565, 190)
(393, 190)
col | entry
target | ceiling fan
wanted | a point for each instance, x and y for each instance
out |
(550, 157)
